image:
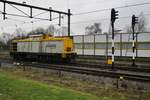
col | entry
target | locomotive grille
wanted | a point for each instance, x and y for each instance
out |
(68, 49)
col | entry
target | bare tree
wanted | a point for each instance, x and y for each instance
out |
(20, 32)
(88, 30)
(62, 31)
(5, 37)
(38, 30)
(142, 23)
(97, 28)
(140, 27)
(51, 30)
(128, 29)
(93, 29)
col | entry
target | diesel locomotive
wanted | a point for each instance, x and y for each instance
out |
(43, 48)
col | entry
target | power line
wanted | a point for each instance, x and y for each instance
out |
(18, 9)
(15, 20)
(93, 2)
(123, 17)
(101, 10)
(17, 15)
(33, 7)
(83, 13)
(40, 13)
(29, 22)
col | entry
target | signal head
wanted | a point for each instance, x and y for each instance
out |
(134, 20)
(114, 15)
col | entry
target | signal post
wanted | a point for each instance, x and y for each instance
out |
(134, 22)
(114, 16)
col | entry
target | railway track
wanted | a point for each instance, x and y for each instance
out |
(85, 69)
(102, 66)
(117, 58)
(92, 71)
(117, 67)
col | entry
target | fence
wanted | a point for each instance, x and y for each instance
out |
(100, 44)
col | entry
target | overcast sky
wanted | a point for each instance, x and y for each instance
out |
(79, 22)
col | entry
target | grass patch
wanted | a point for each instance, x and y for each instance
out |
(12, 88)
(67, 87)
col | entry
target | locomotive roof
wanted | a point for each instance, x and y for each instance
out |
(41, 38)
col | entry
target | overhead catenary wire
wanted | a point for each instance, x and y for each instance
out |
(31, 7)
(34, 7)
(18, 9)
(107, 9)
(17, 15)
(123, 17)
(40, 13)
(96, 11)
(28, 22)
(89, 11)
(42, 19)
(15, 20)
(98, 1)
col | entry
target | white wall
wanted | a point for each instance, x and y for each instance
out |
(101, 38)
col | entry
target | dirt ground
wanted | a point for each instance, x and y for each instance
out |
(77, 82)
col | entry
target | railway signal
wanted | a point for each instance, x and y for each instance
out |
(134, 21)
(114, 16)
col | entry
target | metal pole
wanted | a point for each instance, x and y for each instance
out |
(50, 14)
(121, 45)
(113, 45)
(69, 22)
(31, 12)
(134, 21)
(114, 16)
(94, 45)
(83, 45)
(136, 44)
(107, 46)
(133, 47)
(4, 13)
(34, 7)
(59, 19)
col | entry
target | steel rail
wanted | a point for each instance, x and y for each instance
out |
(140, 69)
(117, 67)
(83, 70)
(89, 71)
